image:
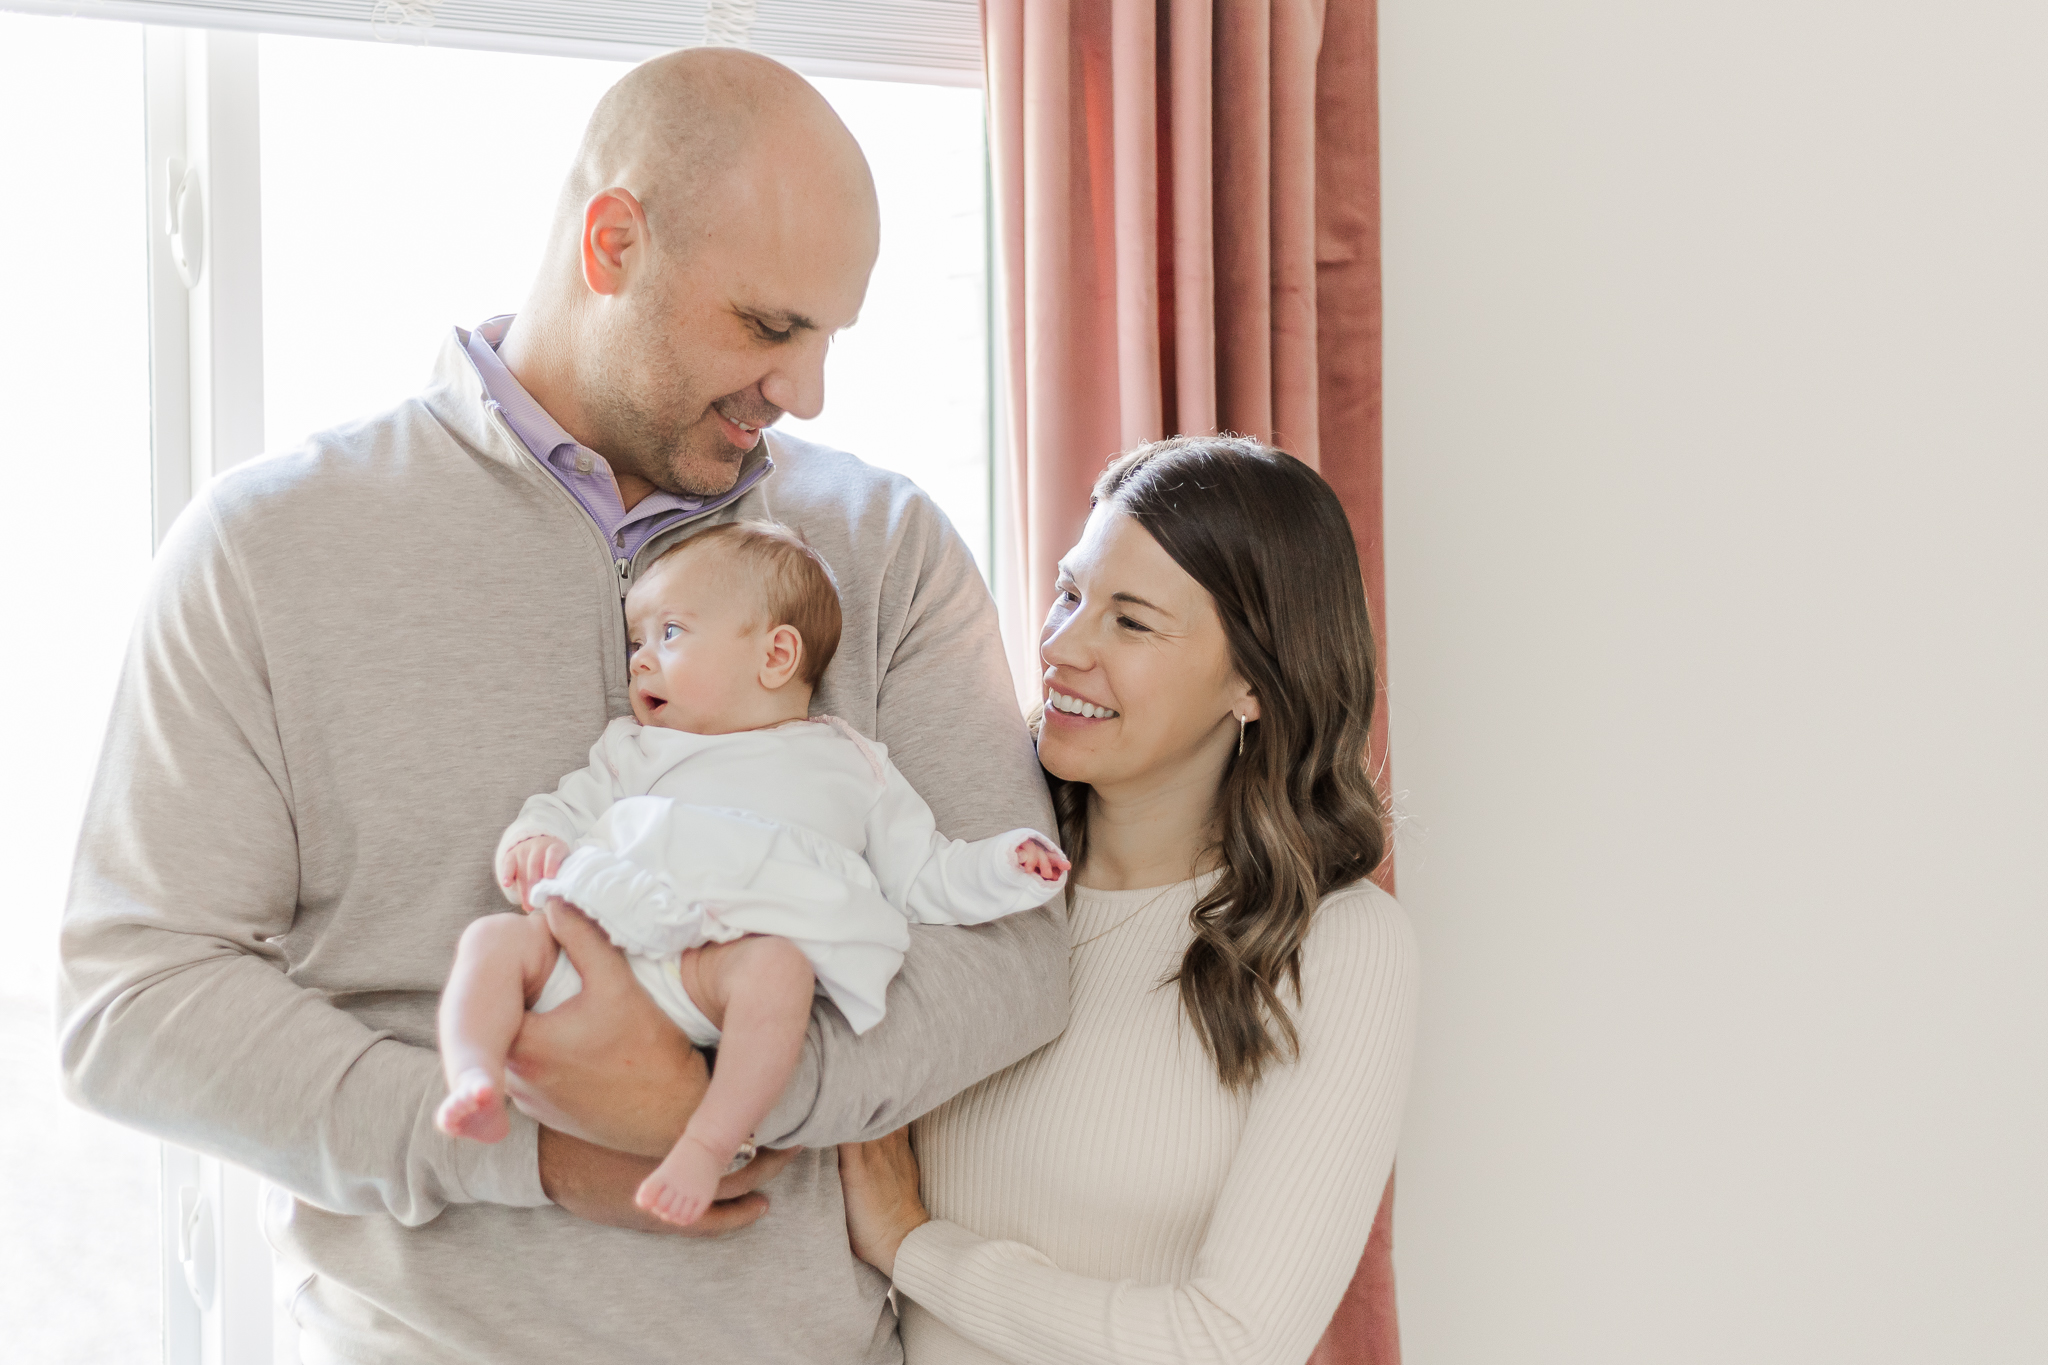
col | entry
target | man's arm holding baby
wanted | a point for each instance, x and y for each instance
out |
(595, 1175)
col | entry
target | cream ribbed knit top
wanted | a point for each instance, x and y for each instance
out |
(1106, 1199)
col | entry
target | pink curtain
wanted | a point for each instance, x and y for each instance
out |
(1187, 209)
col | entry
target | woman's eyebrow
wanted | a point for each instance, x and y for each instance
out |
(1138, 601)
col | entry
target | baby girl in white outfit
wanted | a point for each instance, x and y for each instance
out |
(721, 814)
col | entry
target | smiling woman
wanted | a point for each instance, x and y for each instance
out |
(1185, 1177)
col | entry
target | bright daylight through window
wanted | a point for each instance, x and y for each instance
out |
(376, 239)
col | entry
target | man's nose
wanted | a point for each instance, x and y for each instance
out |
(798, 385)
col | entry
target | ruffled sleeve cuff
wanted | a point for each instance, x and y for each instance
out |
(637, 909)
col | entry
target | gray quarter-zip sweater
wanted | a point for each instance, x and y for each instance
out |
(353, 664)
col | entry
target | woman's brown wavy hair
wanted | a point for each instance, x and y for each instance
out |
(1297, 816)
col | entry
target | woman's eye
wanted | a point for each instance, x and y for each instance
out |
(670, 631)
(1068, 595)
(1128, 624)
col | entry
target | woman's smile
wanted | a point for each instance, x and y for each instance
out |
(1069, 707)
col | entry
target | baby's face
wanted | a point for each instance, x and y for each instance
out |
(696, 639)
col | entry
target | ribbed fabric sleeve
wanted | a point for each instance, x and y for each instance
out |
(1107, 1201)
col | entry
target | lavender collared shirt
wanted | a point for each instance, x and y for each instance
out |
(580, 469)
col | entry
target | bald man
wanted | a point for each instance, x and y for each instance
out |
(358, 658)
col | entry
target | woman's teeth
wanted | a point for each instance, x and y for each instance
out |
(1074, 706)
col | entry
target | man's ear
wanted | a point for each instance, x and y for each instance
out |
(613, 225)
(785, 655)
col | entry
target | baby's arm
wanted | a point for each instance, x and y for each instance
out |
(936, 880)
(564, 814)
(757, 990)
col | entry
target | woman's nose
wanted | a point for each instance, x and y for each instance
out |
(1058, 648)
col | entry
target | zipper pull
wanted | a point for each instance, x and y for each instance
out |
(625, 568)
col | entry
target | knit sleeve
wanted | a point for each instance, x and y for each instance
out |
(1290, 1223)
(179, 1016)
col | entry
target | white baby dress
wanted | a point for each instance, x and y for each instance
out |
(805, 831)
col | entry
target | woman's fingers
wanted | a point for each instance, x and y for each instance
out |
(879, 1179)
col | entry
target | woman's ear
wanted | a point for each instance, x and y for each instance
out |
(1247, 705)
(784, 656)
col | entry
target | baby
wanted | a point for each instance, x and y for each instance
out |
(744, 855)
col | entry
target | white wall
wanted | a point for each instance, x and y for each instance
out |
(1717, 468)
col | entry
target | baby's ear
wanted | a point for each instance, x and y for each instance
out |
(785, 656)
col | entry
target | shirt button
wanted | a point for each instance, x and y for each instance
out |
(582, 464)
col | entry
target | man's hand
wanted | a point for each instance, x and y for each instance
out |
(597, 1184)
(533, 860)
(606, 1066)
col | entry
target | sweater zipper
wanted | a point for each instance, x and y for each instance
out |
(625, 568)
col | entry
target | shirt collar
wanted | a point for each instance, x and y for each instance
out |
(553, 446)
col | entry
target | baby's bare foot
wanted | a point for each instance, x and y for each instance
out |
(475, 1108)
(683, 1186)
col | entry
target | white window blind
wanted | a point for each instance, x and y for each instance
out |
(935, 41)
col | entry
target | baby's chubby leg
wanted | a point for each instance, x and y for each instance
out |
(500, 965)
(757, 990)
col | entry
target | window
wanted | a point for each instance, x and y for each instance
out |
(373, 242)
(78, 1265)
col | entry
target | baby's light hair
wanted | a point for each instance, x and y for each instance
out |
(797, 586)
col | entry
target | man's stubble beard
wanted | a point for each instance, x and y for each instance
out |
(646, 409)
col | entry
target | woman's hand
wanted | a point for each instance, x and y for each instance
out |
(882, 1204)
(607, 1065)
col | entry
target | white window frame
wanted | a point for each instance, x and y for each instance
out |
(205, 225)
(226, 1297)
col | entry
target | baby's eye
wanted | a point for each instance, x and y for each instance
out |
(670, 631)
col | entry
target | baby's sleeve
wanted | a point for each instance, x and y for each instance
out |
(567, 812)
(936, 880)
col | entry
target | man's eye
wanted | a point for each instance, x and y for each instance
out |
(768, 333)
(670, 631)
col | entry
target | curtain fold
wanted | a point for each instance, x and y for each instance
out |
(1187, 206)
